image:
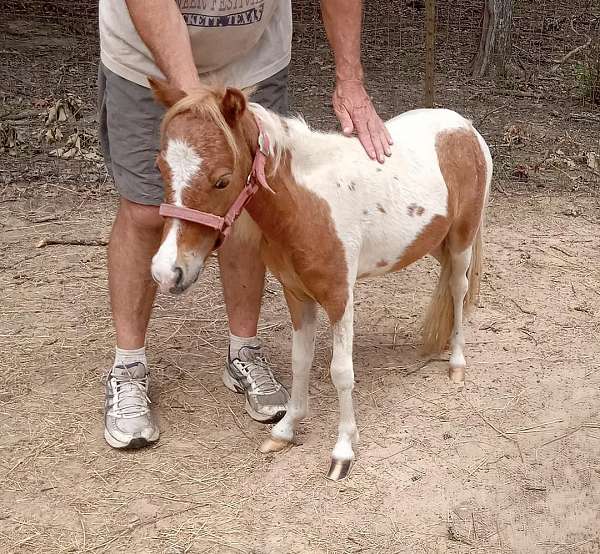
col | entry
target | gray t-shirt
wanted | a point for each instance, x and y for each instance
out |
(240, 42)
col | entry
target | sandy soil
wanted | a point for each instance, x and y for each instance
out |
(510, 464)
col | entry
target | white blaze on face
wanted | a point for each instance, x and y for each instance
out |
(184, 163)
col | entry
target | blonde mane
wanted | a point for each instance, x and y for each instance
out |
(204, 102)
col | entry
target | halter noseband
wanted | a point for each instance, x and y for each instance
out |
(223, 224)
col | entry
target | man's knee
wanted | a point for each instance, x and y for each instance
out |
(141, 217)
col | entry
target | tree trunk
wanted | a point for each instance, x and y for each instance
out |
(495, 42)
(429, 53)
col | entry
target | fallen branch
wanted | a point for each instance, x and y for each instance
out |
(71, 242)
(575, 50)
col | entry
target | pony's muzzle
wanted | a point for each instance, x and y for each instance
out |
(175, 279)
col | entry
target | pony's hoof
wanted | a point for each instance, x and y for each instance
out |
(339, 469)
(457, 375)
(274, 445)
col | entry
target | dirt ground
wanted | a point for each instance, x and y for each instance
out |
(508, 464)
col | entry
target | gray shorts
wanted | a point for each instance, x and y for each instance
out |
(129, 131)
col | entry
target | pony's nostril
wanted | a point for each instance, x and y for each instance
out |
(178, 275)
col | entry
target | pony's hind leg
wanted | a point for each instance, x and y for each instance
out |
(459, 285)
(342, 375)
(304, 317)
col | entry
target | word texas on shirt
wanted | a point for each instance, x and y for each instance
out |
(241, 42)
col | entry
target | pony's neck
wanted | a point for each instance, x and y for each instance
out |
(269, 210)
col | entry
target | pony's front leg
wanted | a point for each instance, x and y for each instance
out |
(342, 375)
(304, 320)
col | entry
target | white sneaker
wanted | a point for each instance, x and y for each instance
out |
(250, 373)
(128, 422)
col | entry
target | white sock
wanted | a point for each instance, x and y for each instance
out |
(237, 343)
(123, 357)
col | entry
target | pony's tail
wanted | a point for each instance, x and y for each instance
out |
(439, 319)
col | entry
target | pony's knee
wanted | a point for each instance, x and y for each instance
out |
(342, 375)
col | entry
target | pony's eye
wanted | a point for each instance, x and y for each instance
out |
(222, 183)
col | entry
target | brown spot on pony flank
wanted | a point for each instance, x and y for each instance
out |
(381, 208)
(381, 263)
(413, 210)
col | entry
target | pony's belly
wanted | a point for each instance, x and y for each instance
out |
(400, 242)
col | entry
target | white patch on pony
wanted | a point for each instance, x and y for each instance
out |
(165, 259)
(184, 163)
(378, 209)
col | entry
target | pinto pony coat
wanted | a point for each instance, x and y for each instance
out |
(333, 216)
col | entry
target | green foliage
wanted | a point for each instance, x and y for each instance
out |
(587, 77)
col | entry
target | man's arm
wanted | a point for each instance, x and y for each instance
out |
(162, 28)
(352, 105)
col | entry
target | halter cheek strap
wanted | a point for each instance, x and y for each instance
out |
(223, 224)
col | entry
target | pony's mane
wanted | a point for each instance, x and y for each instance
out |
(278, 130)
(204, 101)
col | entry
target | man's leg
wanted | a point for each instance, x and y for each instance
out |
(242, 277)
(134, 240)
(129, 120)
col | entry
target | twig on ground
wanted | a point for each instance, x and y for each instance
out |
(563, 251)
(528, 312)
(564, 436)
(487, 114)
(71, 242)
(239, 425)
(534, 427)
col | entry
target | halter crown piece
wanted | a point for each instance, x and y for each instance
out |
(223, 224)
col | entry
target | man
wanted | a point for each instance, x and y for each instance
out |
(241, 43)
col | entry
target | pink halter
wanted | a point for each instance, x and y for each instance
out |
(223, 224)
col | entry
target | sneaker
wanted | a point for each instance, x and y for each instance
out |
(250, 373)
(128, 422)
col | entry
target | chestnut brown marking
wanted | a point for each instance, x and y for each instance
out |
(463, 166)
(381, 263)
(309, 260)
(429, 238)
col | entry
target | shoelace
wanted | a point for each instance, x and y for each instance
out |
(131, 399)
(260, 376)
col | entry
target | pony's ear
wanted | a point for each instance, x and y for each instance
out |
(233, 105)
(164, 92)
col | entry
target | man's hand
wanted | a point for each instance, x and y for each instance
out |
(356, 113)
(352, 105)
